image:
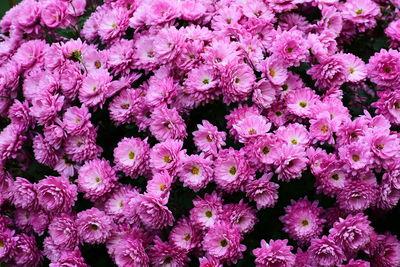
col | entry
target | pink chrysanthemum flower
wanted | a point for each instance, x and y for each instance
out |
(393, 32)
(64, 232)
(206, 212)
(167, 124)
(26, 252)
(161, 91)
(386, 251)
(80, 148)
(384, 68)
(54, 135)
(356, 263)
(263, 192)
(131, 156)
(167, 156)
(240, 215)
(357, 196)
(159, 185)
(8, 240)
(130, 252)
(44, 152)
(201, 84)
(113, 24)
(11, 141)
(295, 134)
(24, 194)
(56, 194)
(302, 220)
(95, 88)
(356, 69)
(30, 53)
(153, 213)
(123, 107)
(167, 254)
(45, 107)
(264, 94)
(385, 146)
(273, 68)
(31, 220)
(332, 179)
(94, 226)
(330, 73)
(69, 257)
(76, 121)
(96, 178)
(238, 114)
(223, 242)
(196, 171)
(120, 57)
(114, 205)
(362, 13)
(290, 162)
(324, 252)
(352, 233)
(208, 261)
(168, 43)
(300, 102)
(185, 235)
(19, 114)
(232, 171)
(237, 81)
(144, 54)
(290, 47)
(208, 139)
(274, 253)
(263, 149)
(357, 155)
(251, 127)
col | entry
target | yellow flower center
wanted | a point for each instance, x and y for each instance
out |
(195, 170)
(356, 158)
(303, 104)
(272, 72)
(131, 155)
(304, 222)
(252, 131)
(224, 243)
(209, 214)
(167, 159)
(232, 170)
(187, 237)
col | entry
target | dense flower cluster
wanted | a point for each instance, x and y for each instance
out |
(75, 72)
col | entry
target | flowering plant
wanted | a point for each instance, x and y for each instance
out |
(200, 132)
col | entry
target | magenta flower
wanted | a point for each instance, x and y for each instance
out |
(94, 226)
(302, 220)
(223, 242)
(324, 252)
(56, 194)
(132, 156)
(274, 253)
